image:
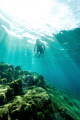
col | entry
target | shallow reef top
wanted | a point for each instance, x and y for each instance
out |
(25, 95)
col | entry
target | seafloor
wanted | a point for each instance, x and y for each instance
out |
(26, 96)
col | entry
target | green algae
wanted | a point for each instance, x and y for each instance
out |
(26, 96)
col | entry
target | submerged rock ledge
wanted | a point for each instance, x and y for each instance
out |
(26, 96)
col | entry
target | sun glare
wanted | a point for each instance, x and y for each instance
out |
(28, 9)
(46, 16)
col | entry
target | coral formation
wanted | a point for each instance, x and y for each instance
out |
(26, 96)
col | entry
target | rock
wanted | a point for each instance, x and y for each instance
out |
(16, 85)
(18, 68)
(4, 113)
(32, 105)
(34, 79)
(6, 71)
(3, 81)
(63, 105)
(25, 95)
(6, 94)
(5, 66)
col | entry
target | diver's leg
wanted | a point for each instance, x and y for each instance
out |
(41, 51)
(38, 54)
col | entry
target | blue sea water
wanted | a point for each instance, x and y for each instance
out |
(60, 32)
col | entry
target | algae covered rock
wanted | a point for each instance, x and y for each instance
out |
(18, 68)
(27, 96)
(6, 93)
(17, 86)
(3, 81)
(5, 66)
(32, 105)
(64, 106)
(34, 79)
(9, 73)
(6, 71)
(4, 113)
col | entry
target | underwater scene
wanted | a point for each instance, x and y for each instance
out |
(40, 60)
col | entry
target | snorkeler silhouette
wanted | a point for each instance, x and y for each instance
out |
(40, 47)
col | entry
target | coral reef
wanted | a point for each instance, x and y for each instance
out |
(26, 96)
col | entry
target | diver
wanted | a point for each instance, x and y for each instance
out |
(40, 47)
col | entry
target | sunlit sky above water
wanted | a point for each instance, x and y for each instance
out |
(43, 16)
